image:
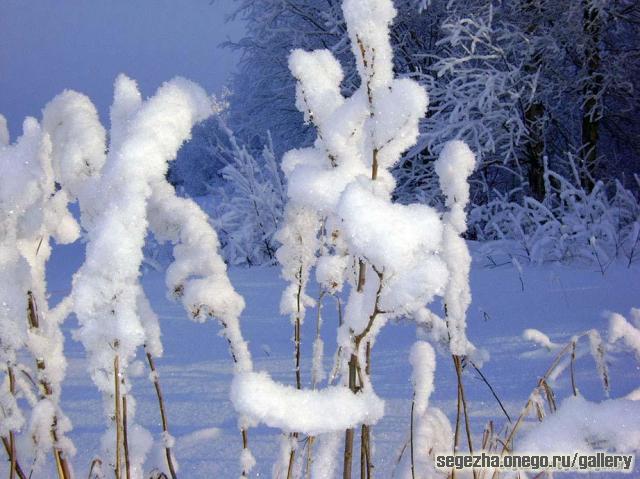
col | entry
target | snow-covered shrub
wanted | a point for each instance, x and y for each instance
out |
(569, 224)
(391, 259)
(249, 205)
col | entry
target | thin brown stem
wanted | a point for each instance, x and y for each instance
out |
(310, 441)
(7, 447)
(365, 451)
(245, 446)
(349, 434)
(457, 361)
(456, 435)
(163, 414)
(292, 456)
(348, 453)
(413, 470)
(125, 437)
(493, 392)
(118, 415)
(573, 360)
(12, 437)
(296, 340)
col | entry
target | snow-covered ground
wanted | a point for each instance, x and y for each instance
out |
(196, 369)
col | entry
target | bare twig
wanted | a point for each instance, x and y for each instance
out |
(163, 414)
(7, 447)
(484, 379)
(413, 469)
(125, 437)
(12, 437)
(118, 415)
(457, 361)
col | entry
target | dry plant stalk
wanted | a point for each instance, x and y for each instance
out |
(33, 320)
(543, 386)
(457, 361)
(12, 437)
(413, 469)
(296, 339)
(118, 416)
(7, 447)
(163, 414)
(125, 440)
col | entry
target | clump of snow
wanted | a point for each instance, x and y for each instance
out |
(453, 166)
(423, 362)
(78, 140)
(312, 412)
(582, 426)
(198, 275)
(4, 131)
(368, 27)
(539, 338)
(621, 330)
(319, 76)
(299, 241)
(325, 462)
(42, 173)
(432, 432)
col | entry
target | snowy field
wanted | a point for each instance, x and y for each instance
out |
(196, 369)
(371, 219)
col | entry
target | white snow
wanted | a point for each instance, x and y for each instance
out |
(621, 330)
(312, 412)
(583, 426)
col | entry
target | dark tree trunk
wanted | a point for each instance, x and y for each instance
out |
(591, 90)
(534, 147)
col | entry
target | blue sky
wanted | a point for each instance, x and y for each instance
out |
(49, 45)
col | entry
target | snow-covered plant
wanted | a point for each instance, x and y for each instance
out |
(50, 166)
(430, 431)
(131, 197)
(20, 197)
(341, 218)
(576, 423)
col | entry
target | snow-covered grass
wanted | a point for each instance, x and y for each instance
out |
(196, 372)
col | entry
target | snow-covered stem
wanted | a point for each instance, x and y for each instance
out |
(46, 390)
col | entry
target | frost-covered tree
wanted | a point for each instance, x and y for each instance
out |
(516, 80)
(249, 205)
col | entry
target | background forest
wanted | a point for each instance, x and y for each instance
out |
(544, 92)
